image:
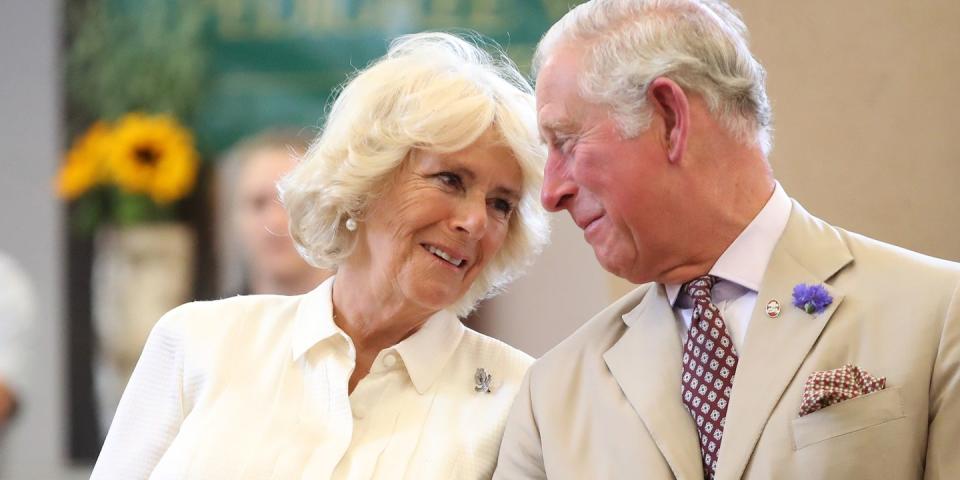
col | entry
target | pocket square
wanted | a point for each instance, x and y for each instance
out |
(830, 387)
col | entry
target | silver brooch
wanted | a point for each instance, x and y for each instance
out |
(482, 379)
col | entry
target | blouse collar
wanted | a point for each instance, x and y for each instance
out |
(424, 354)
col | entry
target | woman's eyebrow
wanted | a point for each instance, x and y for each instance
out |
(454, 166)
(508, 192)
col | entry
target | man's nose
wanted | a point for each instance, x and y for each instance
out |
(558, 188)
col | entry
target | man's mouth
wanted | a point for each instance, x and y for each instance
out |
(586, 223)
(444, 255)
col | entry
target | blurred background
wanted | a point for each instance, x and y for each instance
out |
(865, 108)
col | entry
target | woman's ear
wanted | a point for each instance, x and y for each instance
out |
(669, 102)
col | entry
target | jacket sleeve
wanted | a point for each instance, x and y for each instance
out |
(521, 452)
(944, 434)
(151, 409)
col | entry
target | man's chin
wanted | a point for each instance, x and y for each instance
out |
(610, 263)
(622, 267)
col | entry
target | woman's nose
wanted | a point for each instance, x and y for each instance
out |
(471, 217)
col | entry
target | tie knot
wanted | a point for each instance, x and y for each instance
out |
(699, 288)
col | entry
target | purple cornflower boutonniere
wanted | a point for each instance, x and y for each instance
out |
(811, 298)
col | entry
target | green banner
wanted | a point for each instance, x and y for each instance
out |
(276, 62)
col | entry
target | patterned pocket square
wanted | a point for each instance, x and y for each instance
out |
(829, 387)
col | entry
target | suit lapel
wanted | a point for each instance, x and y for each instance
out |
(811, 252)
(646, 364)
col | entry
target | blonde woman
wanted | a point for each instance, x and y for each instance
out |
(422, 193)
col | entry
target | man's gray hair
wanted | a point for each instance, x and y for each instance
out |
(700, 44)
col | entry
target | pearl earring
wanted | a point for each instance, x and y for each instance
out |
(351, 224)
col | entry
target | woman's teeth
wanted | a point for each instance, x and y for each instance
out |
(444, 255)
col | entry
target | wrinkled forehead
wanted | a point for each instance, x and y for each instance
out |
(561, 66)
(559, 99)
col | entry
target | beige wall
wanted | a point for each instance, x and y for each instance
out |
(866, 99)
(564, 288)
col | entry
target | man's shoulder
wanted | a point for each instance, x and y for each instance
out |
(875, 272)
(867, 253)
(593, 338)
(896, 259)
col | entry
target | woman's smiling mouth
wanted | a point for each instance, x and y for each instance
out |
(448, 257)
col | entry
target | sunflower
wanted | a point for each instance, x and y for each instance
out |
(86, 163)
(153, 155)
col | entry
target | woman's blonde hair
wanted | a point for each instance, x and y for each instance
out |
(433, 92)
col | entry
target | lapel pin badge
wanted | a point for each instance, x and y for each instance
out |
(773, 309)
(483, 381)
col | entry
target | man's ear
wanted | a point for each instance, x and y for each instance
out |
(669, 101)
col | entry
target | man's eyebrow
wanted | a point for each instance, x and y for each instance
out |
(551, 125)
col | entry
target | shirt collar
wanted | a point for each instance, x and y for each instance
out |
(745, 260)
(314, 319)
(426, 352)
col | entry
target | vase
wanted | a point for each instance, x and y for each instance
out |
(139, 273)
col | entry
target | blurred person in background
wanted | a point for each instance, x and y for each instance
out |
(422, 192)
(259, 255)
(16, 319)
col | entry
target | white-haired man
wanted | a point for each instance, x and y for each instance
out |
(761, 342)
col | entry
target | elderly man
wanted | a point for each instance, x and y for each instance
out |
(761, 342)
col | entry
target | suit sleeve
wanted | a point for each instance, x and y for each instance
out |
(521, 452)
(151, 409)
(944, 434)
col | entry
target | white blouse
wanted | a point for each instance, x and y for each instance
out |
(256, 388)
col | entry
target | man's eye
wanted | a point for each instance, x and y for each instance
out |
(451, 180)
(563, 144)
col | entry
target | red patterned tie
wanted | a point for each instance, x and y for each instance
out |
(709, 364)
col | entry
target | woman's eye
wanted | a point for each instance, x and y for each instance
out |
(502, 206)
(450, 179)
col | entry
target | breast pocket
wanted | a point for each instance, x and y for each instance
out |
(847, 417)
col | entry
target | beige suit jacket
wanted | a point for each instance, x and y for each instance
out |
(605, 403)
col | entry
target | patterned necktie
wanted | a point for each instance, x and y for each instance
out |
(709, 364)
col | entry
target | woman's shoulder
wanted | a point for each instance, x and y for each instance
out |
(217, 317)
(212, 337)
